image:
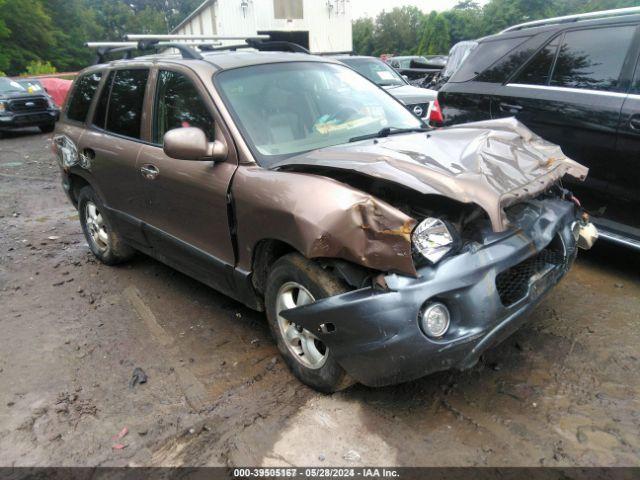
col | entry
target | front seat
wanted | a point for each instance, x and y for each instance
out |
(283, 121)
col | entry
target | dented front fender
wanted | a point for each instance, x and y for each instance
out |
(321, 218)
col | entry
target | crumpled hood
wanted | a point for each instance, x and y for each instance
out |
(493, 163)
(410, 95)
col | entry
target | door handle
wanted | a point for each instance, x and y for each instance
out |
(149, 171)
(634, 123)
(511, 108)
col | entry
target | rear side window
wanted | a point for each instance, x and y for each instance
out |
(538, 71)
(80, 102)
(592, 59)
(484, 56)
(124, 113)
(178, 104)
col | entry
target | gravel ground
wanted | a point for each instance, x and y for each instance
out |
(564, 390)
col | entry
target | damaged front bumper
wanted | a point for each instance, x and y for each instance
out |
(374, 334)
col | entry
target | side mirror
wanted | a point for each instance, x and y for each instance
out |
(191, 144)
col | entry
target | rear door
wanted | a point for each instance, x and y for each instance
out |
(571, 93)
(187, 202)
(113, 142)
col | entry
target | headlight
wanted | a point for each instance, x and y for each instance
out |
(432, 239)
(3, 106)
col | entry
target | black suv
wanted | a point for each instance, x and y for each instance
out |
(21, 107)
(574, 81)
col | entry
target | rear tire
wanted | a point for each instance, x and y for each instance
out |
(105, 243)
(47, 128)
(294, 281)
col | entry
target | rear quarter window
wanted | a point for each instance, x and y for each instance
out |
(484, 56)
(86, 87)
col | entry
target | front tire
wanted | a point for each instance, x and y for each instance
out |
(105, 243)
(295, 281)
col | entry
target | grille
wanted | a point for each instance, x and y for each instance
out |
(513, 284)
(28, 105)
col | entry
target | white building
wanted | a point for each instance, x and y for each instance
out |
(322, 26)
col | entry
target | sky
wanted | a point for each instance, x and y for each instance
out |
(371, 8)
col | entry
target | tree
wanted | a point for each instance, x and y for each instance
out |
(363, 32)
(435, 35)
(38, 67)
(30, 34)
(398, 31)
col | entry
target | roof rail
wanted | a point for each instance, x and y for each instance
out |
(574, 18)
(138, 37)
(187, 49)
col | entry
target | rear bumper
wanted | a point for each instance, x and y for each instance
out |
(29, 119)
(375, 334)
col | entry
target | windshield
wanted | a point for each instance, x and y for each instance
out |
(31, 86)
(376, 71)
(9, 86)
(285, 109)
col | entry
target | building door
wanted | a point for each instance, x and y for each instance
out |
(299, 37)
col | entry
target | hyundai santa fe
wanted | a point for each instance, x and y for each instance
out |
(379, 249)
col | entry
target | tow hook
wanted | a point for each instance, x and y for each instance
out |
(584, 232)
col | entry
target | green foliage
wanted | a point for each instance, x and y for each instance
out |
(38, 67)
(55, 31)
(408, 31)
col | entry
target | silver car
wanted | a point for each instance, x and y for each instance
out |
(418, 100)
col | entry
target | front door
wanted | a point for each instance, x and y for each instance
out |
(186, 217)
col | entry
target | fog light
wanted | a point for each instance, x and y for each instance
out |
(435, 320)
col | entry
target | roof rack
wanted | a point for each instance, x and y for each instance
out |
(138, 37)
(574, 18)
(105, 48)
(188, 45)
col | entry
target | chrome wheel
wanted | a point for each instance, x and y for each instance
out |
(304, 346)
(96, 226)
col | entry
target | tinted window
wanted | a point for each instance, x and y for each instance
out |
(539, 68)
(125, 105)
(485, 55)
(80, 102)
(100, 114)
(593, 58)
(178, 104)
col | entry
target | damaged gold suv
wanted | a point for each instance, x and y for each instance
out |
(380, 250)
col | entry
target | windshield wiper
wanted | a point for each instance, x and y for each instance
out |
(386, 131)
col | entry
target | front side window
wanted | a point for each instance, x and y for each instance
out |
(538, 70)
(80, 102)
(592, 59)
(375, 70)
(289, 108)
(124, 113)
(178, 104)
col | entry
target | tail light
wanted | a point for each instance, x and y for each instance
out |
(435, 115)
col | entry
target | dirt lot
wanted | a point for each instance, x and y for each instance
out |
(565, 390)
